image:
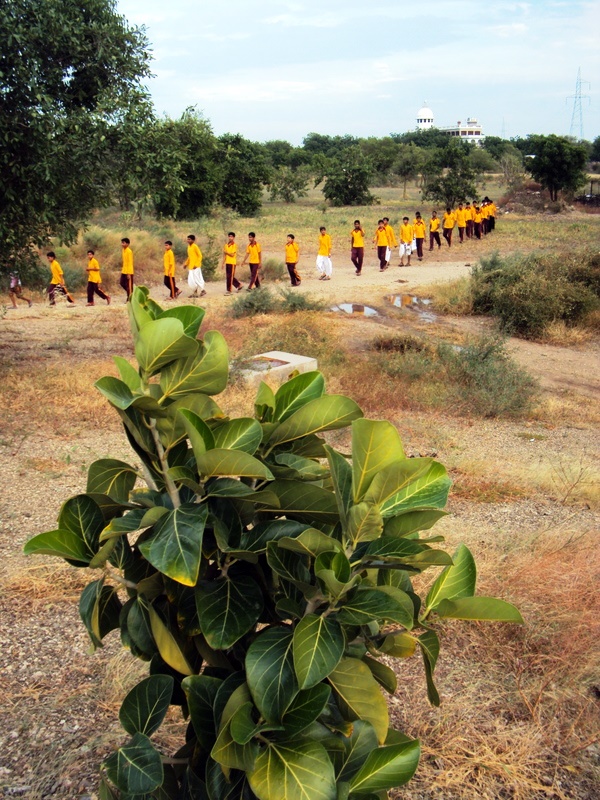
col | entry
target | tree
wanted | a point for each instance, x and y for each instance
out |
(408, 163)
(595, 152)
(347, 178)
(558, 163)
(448, 175)
(261, 574)
(244, 171)
(382, 154)
(67, 73)
(289, 184)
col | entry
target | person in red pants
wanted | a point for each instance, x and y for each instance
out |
(229, 263)
(94, 280)
(292, 256)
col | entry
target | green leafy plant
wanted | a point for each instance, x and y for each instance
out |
(258, 301)
(261, 573)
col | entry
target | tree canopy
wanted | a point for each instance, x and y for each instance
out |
(558, 163)
(69, 72)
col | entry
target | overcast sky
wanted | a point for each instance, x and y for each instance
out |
(279, 70)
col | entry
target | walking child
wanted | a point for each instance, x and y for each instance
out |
(57, 281)
(292, 256)
(448, 225)
(382, 242)
(434, 230)
(254, 258)
(94, 280)
(126, 281)
(229, 263)
(324, 265)
(357, 242)
(407, 235)
(419, 230)
(15, 291)
(194, 264)
(169, 267)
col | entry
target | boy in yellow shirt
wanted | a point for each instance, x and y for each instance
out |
(391, 237)
(94, 280)
(448, 225)
(461, 221)
(324, 265)
(254, 253)
(382, 242)
(292, 256)
(57, 280)
(419, 231)
(434, 230)
(194, 264)
(357, 242)
(169, 267)
(229, 263)
(126, 281)
(407, 235)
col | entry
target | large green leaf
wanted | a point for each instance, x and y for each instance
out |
(384, 676)
(429, 490)
(386, 768)
(100, 610)
(190, 317)
(318, 647)
(297, 392)
(305, 502)
(270, 673)
(136, 768)
(358, 745)
(430, 648)
(455, 581)
(82, 515)
(359, 696)
(145, 706)
(311, 542)
(375, 444)
(289, 465)
(111, 477)
(172, 429)
(206, 370)
(228, 609)
(131, 521)
(129, 374)
(175, 547)
(394, 477)
(264, 404)
(257, 538)
(242, 433)
(413, 521)
(301, 771)
(168, 646)
(116, 392)
(322, 414)
(364, 523)
(341, 476)
(226, 750)
(61, 544)
(198, 432)
(160, 342)
(305, 708)
(334, 573)
(399, 645)
(382, 603)
(231, 462)
(201, 691)
(481, 608)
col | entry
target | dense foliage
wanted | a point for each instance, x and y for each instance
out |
(262, 574)
(557, 162)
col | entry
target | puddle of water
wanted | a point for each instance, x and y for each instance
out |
(263, 363)
(356, 308)
(413, 303)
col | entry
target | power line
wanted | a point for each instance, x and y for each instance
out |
(577, 116)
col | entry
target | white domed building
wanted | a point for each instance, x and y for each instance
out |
(424, 118)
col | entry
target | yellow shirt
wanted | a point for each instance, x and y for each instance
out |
(194, 258)
(461, 217)
(406, 234)
(434, 224)
(485, 212)
(391, 236)
(253, 251)
(169, 263)
(230, 251)
(324, 245)
(93, 271)
(449, 220)
(381, 238)
(57, 275)
(477, 216)
(492, 209)
(419, 228)
(127, 268)
(292, 252)
(468, 213)
(357, 238)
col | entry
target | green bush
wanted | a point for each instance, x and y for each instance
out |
(527, 293)
(263, 575)
(75, 278)
(273, 270)
(248, 304)
(294, 301)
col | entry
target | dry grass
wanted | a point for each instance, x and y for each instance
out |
(558, 333)
(476, 488)
(39, 585)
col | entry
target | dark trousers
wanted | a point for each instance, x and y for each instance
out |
(357, 255)
(461, 234)
(230, 277)
(419, 247)
(94, 288)
(170, 284)
(294, 277)
(381, 255)
(254, 279)
(491, 223)
(447, 233)
(469, 228)
(126, 283)
(477, 231)
(57, 287)
(484, 226)
(434, 237)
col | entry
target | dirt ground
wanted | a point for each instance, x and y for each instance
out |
(58, 716)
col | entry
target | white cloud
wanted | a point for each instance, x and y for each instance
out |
(300, 21)
(506, 31)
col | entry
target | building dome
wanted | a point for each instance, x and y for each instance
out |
(424, 117)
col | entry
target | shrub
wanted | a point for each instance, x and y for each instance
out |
(292, 302)
(261, 574)
(248, 304)
(75, 278)
(399, 344)
(273, 270)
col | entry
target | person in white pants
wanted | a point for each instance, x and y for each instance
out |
(324, 265)
(194, 265)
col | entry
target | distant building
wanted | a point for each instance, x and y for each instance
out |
(469, 131)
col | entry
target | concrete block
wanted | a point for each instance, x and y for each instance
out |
(274, 367)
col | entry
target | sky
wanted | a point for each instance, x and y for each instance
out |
(280, 70)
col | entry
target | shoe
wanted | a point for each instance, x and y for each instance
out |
(227, 294)
(107, 299)
(240, 287)
(249, 289)
(357, 272)
(30, 303)
(177, 293)
(327, 278)
(203, 292)
(88, 305)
